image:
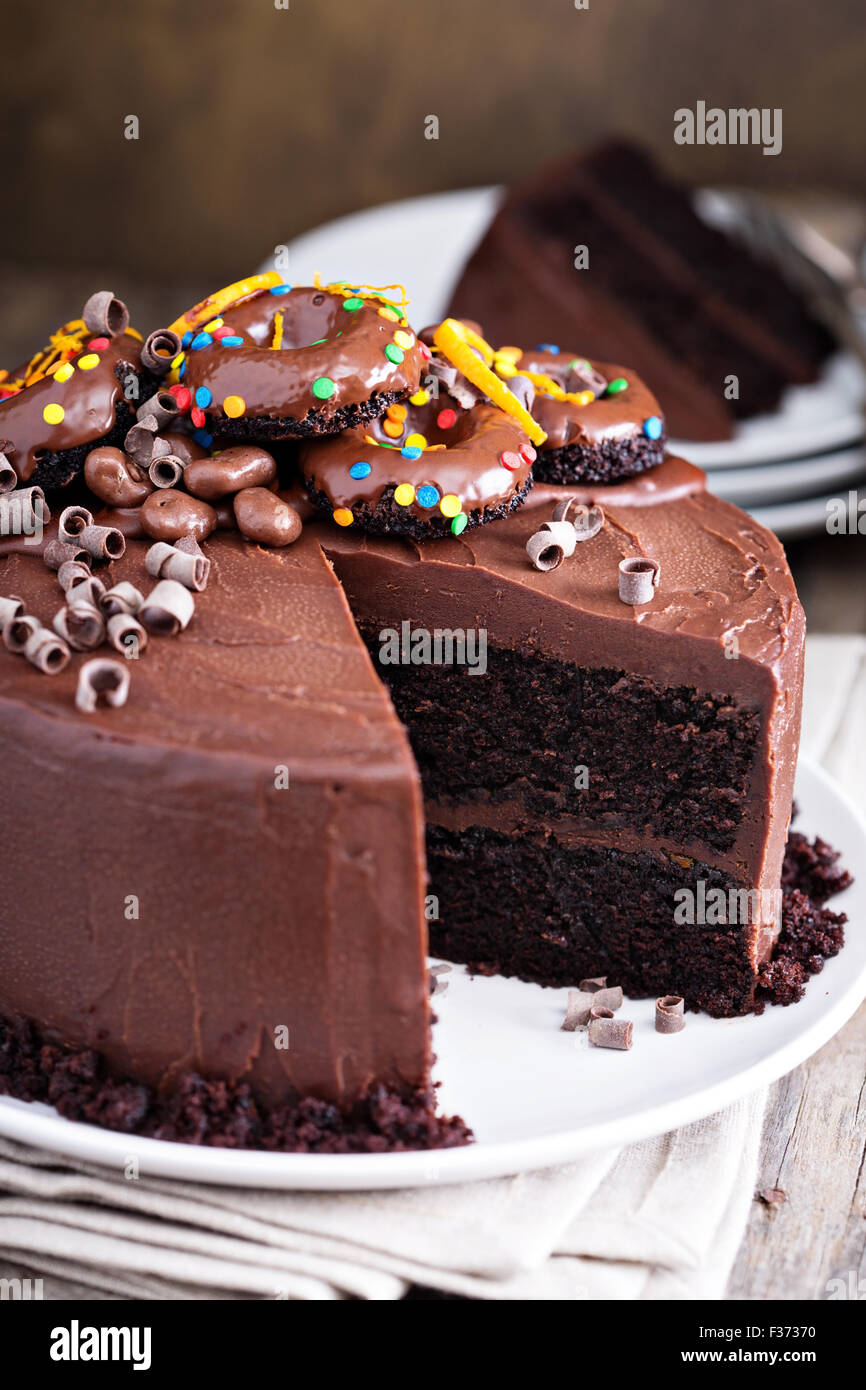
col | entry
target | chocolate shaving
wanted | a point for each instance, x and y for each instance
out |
(10, 607)
(86, 590)
(582, 376)
(120, 598)
(544, 552)
(524, 389)
(103, 542)
(561, 533)
(102, 678)
(166, 471)
(143, 444)
(59, 553)
(606, 1031)
(577, 1010)
(168, 609)
(73, 572)
(18, 631)
(47, 652)
(596, 982)
(80, 625)
(638, 579)
(158, 350)
(162, 407)
(73, 521)
(670, 1014)
(8, 476)
(122, 627)
(23, 510)
(166, 561)
(105, 315)
(587, 521)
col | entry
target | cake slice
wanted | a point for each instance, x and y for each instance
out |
(685, 305)
(605, 765)
(212, 922)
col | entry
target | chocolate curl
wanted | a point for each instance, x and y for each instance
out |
(521, 387)
(190, 568)
(440, 985)
(599, 1011)
(669, 1014)
(109, 679)
(160, 347)
(73, 522)
(166, 471)
(105, 315)
(143, 444)
(587, 521)
(103, 542)
(638, 579)
(577, 1010)
(584, 377)
(87, 589)
(562, 533)
(10, 607)
(80, 625)
(47, 652)
(122, 627)
(59, 553)
(162, 407)
(545, 552)
(121, 598)
(168, 609)
(73, 572)
(606, 1031)
(18, 631)
(8, 476)
(594, 983)
(23, 509)
(608, 997)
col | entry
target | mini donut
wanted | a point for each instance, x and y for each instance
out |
(264, 361)
(76, 394)
(602, 423)
(430, 467)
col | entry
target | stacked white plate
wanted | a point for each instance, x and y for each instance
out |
(784, 468)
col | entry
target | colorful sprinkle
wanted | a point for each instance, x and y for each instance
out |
(360, 470)
(619, 383)
(98, 344)
(504, 367)
(393, 428)
(548, 347)
(203, 438)
(510, 460)
(187, 338)
(182, 395)
(450, 504)
(280, 289)
(420, 397)
(404, 339)
(396, 412)
(416, 441)
(203, 397)
(394, 354)
(197, 417)
(459, 524)
(343, 516)
(427, 496)
(201, 340)
(353, 304)
(88, 362)
(389, 314)
(176, 361)
(511, 354)
(53, 413)
(214, 324)
(527, 453)
(652, 427)
(324, 388)
(446, 419)
(404, 494)
(231, 340)
(411, 451)
(234, 406)
(64, 371)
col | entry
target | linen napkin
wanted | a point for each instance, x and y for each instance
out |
(660, 1219)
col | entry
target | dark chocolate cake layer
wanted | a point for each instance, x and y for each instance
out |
(168, 902)
(685, 306)
(662, 729)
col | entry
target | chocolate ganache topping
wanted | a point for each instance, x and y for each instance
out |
(263, 359)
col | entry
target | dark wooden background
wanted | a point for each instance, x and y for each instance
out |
(257, 123)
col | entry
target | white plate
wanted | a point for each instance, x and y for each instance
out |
(535, 1095)
(423, 244)
(792, 519)
(783, 482)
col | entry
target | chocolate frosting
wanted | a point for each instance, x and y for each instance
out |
(89, 400)
(277, 382)
(617, 416)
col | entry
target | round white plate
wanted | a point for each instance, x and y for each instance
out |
(792, 519)
(783, 482)
(535, 1095)
(423, 244)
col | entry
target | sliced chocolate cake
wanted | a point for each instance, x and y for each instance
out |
(605, 762)
(603, 250)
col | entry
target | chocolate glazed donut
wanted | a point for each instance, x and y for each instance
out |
(264, 361)
(432, 467)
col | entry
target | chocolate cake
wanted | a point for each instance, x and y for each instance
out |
(686, 306)
(611, 756)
